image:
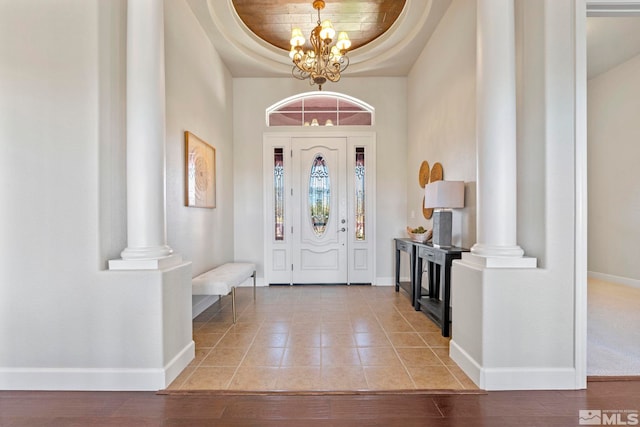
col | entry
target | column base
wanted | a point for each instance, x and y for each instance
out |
(484, 250)
(145, 264)
(502, 318)
(500, 262)
(152, 252)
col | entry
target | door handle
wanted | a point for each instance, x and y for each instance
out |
(343, 229)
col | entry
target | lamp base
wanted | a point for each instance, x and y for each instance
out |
(442, 228)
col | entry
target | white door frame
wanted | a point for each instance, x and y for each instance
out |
(278, 254)
(584, 8)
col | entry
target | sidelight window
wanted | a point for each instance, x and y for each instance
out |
(278, 192)
(360, 194)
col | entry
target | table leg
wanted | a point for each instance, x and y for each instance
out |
(417, 283)
(397, 270)
(446, 300)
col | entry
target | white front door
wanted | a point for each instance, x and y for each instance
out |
(319, 207)
(319, 192)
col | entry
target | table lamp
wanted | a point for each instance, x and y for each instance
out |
(443, 196)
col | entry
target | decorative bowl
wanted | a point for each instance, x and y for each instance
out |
(419, 237)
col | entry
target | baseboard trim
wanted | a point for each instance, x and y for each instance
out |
(526, 378)
(605, 378)
(614, 279)
(178, 363)
(529, 378)
(465, 362)
(203, 304)
(96, 379)
(81, 379)
(385, 281)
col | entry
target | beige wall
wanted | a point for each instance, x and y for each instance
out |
(613, 172)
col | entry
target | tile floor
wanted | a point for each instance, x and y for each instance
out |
(319, 338)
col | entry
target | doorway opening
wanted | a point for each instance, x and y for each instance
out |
(319, 191)
(613, 60)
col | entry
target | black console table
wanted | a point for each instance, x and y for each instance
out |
(439, 277)
(406, 245)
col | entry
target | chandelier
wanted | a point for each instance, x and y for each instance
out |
(322, 62)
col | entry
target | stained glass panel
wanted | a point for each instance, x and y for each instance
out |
(278, 192)
(319, 195)
(360, 193)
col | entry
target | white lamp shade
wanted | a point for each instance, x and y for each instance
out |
(343, 41)
(444, 194)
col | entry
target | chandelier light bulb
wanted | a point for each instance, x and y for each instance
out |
(297, 39)
(327, 31)
(343, 41)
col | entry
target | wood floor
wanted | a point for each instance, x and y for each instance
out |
(493, 409)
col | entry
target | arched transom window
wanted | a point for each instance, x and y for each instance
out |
(320, 109)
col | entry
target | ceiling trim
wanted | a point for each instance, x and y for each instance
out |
(247, 55)
(613, 8)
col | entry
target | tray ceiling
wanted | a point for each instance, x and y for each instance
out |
(272, 20)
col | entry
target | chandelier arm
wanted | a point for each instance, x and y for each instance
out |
(344, 63)
(299, 74)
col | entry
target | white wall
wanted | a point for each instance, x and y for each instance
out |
(66, 322)
(613, 172)
(387, 95)
(199, 99)
(442, 115)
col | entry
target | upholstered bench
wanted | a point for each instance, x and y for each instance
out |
(223, 280)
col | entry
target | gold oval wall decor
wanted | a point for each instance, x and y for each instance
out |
(426, 212)
(436, 173)
(423, 174)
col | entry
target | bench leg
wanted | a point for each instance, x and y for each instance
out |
(233, 303)
(254, 285)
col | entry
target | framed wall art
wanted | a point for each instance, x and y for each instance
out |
(200, 172)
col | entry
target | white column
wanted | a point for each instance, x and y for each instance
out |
(496, 131)
(146, 222)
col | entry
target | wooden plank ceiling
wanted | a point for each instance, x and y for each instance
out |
(272, 20)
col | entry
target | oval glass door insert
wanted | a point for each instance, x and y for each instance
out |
(319, 195)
